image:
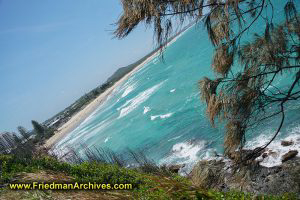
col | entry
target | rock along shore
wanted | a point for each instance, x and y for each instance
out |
(253, 178)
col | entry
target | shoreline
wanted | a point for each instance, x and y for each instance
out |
(79, 117)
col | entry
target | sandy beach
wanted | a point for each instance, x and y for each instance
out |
(79, 117)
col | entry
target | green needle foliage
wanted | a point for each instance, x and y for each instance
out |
(240, 94)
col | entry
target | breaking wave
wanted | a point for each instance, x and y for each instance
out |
(187, 153)
(106, 139)
(161, 116)
(132, 104)
(146, 109)
(275, 150)
(129, 89)
(175, 138)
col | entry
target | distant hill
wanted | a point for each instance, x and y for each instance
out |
(124, 70)
(120, 73)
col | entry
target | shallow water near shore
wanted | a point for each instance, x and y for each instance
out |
(158, 110)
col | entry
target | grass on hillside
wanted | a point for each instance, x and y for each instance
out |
(146, 185)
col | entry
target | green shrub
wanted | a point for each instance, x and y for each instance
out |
(146, 185)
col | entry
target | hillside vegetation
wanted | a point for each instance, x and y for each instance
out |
(157, 184)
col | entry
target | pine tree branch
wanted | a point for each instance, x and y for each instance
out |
(261, 74)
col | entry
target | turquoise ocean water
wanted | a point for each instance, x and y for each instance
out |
(158, 109)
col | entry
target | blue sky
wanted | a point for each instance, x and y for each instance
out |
(53, 51)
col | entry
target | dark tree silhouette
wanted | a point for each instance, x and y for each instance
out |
(16, 139)
(241, 97)
(38, 128)
(23, 132)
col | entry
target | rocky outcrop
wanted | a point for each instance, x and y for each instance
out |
(207, 174)
(289, 155)
(286, 143)
(252, 178)
(175, 168)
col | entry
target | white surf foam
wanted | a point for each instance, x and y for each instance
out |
(166, 115)
(106, 139)
(153, 117)
(175, 138)
(187, 150)
(189, 153)
(146, 109)
(275, 150)
(184, 152)
(161, 116)
(132, 104)
(79, 135)
(129, 89)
